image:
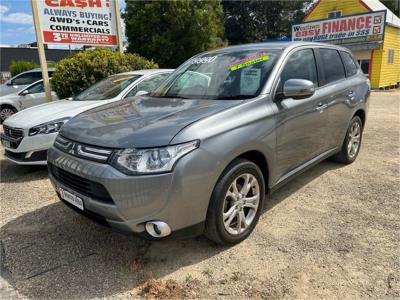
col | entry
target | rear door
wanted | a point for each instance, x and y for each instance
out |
(301, 124)
(339, 88)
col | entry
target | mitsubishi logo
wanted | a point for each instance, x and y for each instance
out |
(74, 148)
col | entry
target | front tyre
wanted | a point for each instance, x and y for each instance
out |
(235, 203)
(352, 142)
(6, 112)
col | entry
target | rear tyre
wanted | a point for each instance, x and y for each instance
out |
(5, 112)
(235, 203)
(352, 142)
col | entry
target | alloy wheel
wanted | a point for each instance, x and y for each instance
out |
(5, 113)
(354, 140)
(241, 203)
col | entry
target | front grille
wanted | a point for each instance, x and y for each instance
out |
(81, 150)
(14, 133)
(84, 186)
(36, 156)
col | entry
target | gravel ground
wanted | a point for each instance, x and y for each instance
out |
(333, 232)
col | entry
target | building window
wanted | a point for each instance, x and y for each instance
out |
(334, 14)
(390, 56)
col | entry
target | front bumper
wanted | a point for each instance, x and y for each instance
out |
(179, 198)
(30, 150)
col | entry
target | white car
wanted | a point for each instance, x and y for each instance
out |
(30, 96)
(30, 133)
(22, 80)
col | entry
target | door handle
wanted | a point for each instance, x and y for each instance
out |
(351, 95)
(321, 106)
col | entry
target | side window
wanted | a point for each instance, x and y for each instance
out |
(36, 88)
(150, 84)
(349, 64)
(300, 65)
(26, 78)
(132, 92)
(332, 65)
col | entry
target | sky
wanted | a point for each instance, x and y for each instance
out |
(16, 24)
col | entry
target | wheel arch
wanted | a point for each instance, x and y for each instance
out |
(360, 113)
(9, 105)
(260, 160)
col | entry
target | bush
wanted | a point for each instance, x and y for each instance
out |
(77, 72)
(19, 66)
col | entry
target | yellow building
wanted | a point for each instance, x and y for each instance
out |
(378, 55)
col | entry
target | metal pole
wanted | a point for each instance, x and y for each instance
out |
(42, 54)
(118, 25)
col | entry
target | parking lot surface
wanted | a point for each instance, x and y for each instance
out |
(333, 232)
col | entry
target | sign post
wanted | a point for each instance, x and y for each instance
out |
(42, 54)
(118, 23)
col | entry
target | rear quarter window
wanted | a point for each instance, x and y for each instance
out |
(349, 64)
(332, 65)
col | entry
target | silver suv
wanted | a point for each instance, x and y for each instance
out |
(200, 154)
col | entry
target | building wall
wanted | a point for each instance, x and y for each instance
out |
(382, 73)
(348, 7)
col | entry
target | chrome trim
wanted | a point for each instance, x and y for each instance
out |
(83, 151)
(14, 133)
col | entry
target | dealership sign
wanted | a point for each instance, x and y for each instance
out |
(367, 27)
(85, 22)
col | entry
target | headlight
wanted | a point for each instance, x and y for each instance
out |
(50, 127)
(146, 161)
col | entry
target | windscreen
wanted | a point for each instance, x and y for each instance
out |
(233, 75)
(107, 88)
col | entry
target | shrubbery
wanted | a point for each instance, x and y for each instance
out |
(19, 66)
(80, 70)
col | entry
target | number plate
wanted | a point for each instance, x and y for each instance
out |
(71, 198)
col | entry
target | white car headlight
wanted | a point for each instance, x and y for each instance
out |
(147, 161)
(49, 127)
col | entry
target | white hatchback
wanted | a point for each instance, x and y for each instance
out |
(30, 133)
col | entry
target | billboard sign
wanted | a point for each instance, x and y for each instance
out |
(84, 22)
(368, 27)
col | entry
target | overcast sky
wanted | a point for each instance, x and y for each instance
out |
(16, 24)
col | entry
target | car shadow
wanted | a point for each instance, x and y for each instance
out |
(11, 172)
(53, 252)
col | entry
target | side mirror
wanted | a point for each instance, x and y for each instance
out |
(298, 88)
(9, 83)
(24, 93)
(139, 93)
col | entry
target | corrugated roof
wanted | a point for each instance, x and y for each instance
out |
(375, 5)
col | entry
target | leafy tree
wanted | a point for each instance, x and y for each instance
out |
(393, 5)
(172, 31)
(253, 21)
(19, 66)
(80, 70)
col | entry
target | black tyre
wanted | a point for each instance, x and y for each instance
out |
(235, 203)
(5, 112)
(352, 142)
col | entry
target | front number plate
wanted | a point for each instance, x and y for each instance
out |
(6, 143)
(71, 198)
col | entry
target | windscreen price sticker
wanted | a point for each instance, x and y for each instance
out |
(85, 22)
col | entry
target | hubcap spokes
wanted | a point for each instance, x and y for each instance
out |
(5, 113)
(241, 203)
(354, 140)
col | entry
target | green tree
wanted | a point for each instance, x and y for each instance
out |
(170, 32)
(253, 21)
(80, 70)
(19, 66)
(393, 5)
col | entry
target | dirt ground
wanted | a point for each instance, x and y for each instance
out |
(333, 232)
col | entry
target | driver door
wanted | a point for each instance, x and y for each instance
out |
(34, 95)
(301, 123)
